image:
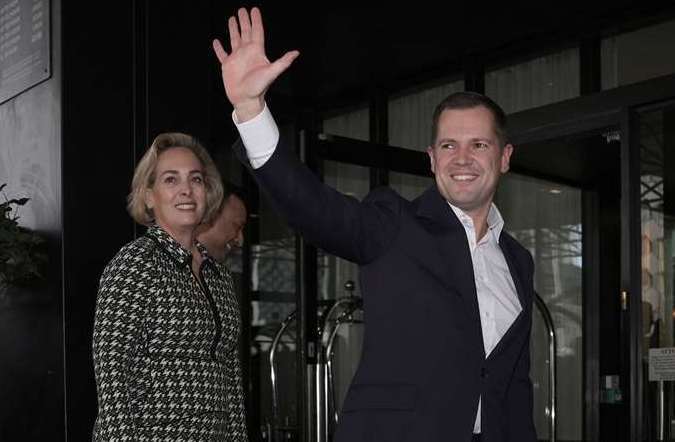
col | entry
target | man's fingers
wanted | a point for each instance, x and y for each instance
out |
(279, 66)
(220, 52)
(288, 57)
(235, 38)
(257, 31)
(244, 25)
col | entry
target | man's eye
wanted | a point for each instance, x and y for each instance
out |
(481, 145)
(447, 146)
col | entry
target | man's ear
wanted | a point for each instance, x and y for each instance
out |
(506, 158)
(430, 152)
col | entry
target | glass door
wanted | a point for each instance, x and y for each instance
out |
(655, 127)
(546, 218)
(562, 202)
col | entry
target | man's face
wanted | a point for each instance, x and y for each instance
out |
(467, 159)
(232, 220)
(227, 231)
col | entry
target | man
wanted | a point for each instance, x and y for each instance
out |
(226, 231)
(447, 293)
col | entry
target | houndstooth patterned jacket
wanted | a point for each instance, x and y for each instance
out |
(165, 350)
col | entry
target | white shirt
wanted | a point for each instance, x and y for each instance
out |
(497, 298)
(260, 136)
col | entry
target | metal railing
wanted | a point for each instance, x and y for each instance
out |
(344, 310)
(351, 306)
(552, 369)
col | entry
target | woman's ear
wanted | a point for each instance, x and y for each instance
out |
(149, 199)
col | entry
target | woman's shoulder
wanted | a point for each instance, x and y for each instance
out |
(133, 257)
(129, 276)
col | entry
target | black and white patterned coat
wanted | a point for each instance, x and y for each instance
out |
(165, 349)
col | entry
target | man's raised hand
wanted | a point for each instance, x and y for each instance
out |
(246, 71)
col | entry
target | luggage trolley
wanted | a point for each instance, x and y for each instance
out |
(345, 311)
(351, 305)
(277, 431)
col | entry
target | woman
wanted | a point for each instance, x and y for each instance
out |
(167, 320)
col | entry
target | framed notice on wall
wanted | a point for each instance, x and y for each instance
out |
(24, 45)
(662, 364)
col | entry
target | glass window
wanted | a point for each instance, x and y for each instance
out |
(545, 217)
(354, 124)
(638, 55)
(273, 299)
(537, 82)
(657, 155)
(410, 115)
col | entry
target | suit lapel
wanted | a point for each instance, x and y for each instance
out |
(515, 274)
(525, 303)
(451, 263)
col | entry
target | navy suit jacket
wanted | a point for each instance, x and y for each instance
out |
(423, 366)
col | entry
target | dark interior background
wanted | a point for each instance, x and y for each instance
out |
(124, 71)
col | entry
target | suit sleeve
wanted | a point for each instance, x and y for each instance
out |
(117, 337)
(337, 223)
(520, 393)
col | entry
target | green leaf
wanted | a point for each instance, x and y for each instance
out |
(22, 255)
(18, 202)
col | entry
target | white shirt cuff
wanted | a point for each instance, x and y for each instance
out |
(260, 136)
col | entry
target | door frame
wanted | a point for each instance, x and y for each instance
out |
(614, 108)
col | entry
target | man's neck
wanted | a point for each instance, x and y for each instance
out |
(479, 217)
(481, 229)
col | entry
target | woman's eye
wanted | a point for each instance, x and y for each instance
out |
(170, 179)
(197, 179)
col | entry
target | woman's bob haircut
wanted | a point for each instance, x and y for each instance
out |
(144, 176)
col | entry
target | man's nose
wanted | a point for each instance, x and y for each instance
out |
(463, 156)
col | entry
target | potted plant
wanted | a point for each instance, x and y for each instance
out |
(22, 255)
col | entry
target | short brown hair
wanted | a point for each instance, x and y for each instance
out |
(468, 100)
(144, 176)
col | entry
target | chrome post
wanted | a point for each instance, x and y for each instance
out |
(344, 318)
(661, 413)
(553, 378)
(320, 385)
(273, 374)
(318, 403)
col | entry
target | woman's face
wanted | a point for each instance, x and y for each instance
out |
(178, 195)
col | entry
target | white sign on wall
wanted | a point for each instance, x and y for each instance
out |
(24, 45)
(662, 364)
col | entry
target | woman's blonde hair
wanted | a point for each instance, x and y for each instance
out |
(144, 176)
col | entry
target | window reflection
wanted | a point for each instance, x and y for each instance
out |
(545, 218)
